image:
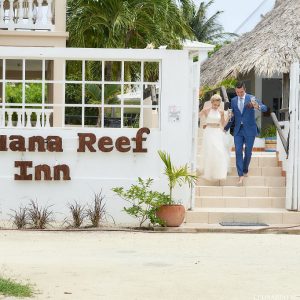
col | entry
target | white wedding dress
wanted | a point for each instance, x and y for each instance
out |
(215, 157)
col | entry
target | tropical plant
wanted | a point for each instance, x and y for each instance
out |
(269, 131)
(228, 83)
(96, 212)
(39, 217)
(176, 175)
(33, 93)
(143, 202)
(78, 214)
(125, 24)
(94, 94)
(206, 29)
(20, 217)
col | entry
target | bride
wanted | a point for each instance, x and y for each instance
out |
(215, 159)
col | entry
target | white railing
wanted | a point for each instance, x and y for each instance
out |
(28, 118)
(26, 14)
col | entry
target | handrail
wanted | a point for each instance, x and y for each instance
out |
(225, 96)
(280, 132)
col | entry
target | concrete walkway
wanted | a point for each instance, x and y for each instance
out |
(124, 265)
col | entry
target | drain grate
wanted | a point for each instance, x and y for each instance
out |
(242, 224)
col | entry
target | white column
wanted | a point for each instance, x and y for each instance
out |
(49, 14)
(20, 12)
(47, 115)
(1, 13)
(1, 118)
(19, 123)
(38, 119)
(11, 14)
(30, 12)
(293, 168)
(9, 121)
(39, 17)
(28, 118)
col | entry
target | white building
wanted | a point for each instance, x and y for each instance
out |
(66, 135)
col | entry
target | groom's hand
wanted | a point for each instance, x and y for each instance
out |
(256, 105)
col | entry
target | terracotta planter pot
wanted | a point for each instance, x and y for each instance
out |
(172, 215)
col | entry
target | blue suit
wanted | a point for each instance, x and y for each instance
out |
(245, 130)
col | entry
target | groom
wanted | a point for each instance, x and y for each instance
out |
(245, 128)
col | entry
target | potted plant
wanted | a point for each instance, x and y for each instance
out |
(143, 202)
(270, 133)
(172, 214)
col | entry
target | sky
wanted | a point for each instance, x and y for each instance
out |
(237, 11)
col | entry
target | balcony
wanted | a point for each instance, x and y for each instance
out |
(16, 117)
(27, 15)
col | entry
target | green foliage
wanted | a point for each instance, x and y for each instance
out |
(125, 24)
(269, 131)
(218, 47)
(228, 83)
(205, 29)
(11, 288)
(33, 93)
(176, 175)
(143, 202)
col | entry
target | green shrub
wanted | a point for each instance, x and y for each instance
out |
(269, 131)
(143, 201)
(11, 288)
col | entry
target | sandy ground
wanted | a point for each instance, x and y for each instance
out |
(124, 265)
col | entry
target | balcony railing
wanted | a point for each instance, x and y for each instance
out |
(27, 14)
(17, 117)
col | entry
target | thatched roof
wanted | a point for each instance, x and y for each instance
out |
(268, 49)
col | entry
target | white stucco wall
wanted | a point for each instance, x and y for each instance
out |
(91, 172)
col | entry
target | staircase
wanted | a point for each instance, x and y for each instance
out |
(261, 199)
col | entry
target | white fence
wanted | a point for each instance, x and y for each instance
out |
(26, 14)
(99, 168)
(29, 118)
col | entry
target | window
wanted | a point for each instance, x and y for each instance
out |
(80, 93)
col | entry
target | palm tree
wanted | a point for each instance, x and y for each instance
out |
(125, 24)
(176, 175)
(205, 29)
(94, 93)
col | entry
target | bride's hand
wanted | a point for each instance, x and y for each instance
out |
(221, 111)
(205, 111)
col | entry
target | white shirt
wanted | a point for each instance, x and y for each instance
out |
(241, 100)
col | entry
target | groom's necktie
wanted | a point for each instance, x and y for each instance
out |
(241, 104)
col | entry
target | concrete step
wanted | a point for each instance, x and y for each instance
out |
(259, 171)
(240, 202)
(267, 215)
(243, 191)
(256, 161)
(270, 181)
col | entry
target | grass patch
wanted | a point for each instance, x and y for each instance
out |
(11, 288)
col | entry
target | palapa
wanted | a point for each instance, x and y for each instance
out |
(268, 49)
